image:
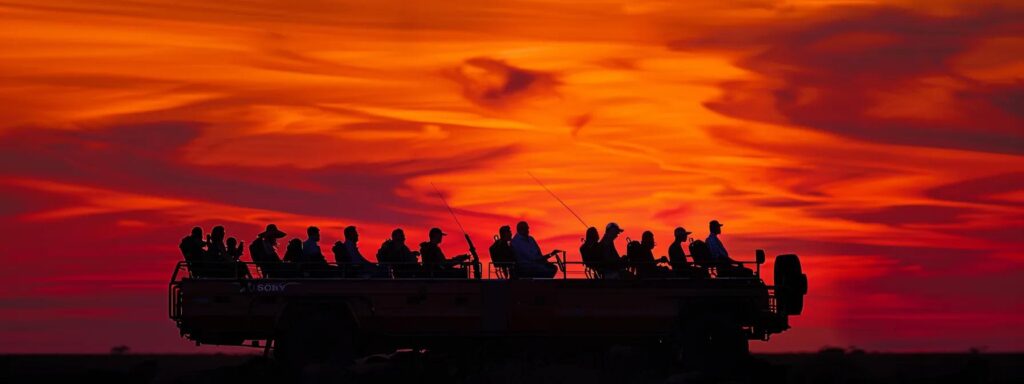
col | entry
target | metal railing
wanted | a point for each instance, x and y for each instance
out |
(656, 270)
(289, 270)
(564, 269)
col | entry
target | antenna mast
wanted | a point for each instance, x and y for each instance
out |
(559, 200)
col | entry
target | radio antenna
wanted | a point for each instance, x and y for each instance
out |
(472, 249)
(559, 200)
(440, 196)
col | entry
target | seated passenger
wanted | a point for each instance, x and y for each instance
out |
(530, 262)
(293, 252)
(350, 260)
(611, 265)
(502, 255)
(677, 257)
(590, 251)
(311, 247)
(314, 263)
(234, 252)
(221, 263)
(719, 257)
(263, 252)
(191, 247)
(434, 262)
(640, 256)
(235, 249)
(397, 257)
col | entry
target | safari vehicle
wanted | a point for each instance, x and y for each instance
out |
(305, 319)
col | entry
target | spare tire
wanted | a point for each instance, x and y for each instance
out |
(790, 284)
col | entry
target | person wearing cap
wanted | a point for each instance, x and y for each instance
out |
(725, 266)
(676, 255)
(434, 262)
(611, 264)
(530, 262)
(263, 251)
(502, 255)
(718, 252)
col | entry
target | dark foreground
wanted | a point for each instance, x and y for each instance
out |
(612, 366)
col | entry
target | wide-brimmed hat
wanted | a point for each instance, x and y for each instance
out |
(273, 232)
(613, 227)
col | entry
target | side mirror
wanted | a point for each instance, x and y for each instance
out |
(759, 256)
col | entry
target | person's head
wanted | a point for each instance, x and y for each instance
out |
(217, 233)
(523, 228)
(197, 232)
(715, 227)
(505, 233)
(272, 234)
(398, 236)
(313, 233)
(351, 234)
(295, 245)
(647, 239)
(232, 242)
(436, 235)
(612, 231)
(592, 235)
(682, 234)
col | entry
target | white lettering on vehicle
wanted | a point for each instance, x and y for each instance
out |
(254, 287)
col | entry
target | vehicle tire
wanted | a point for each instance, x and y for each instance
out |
(790, 284)
(315, 334)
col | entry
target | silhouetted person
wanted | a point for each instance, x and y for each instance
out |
(192, 249)
(350, 259)
(677, 256)
(235, 249)
(590, 250)
(216, 250)
(611, 265)
(313, 262)
(394, 254)
(530, 262)
(718, 252)
(293, 252)
(219, 260)
(234, 254)
(641, 257)
(263, 252)
(719, 257)
(311, 247)
(434, 262)
(502, 255)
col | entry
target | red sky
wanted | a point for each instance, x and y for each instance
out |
(884, 143)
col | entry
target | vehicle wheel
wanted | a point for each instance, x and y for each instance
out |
(315, 334)
(790, 284)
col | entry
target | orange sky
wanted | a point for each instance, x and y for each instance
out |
(881, 142)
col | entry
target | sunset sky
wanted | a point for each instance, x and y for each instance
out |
(884, 143)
